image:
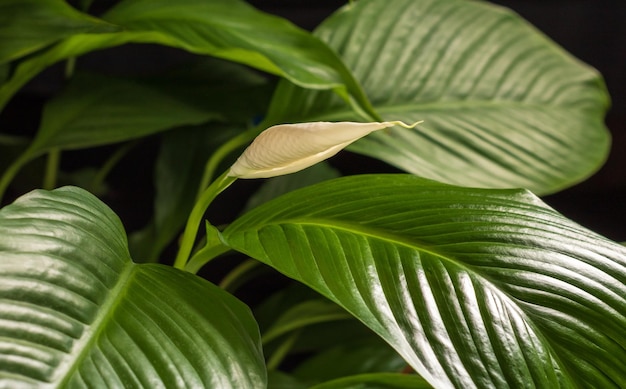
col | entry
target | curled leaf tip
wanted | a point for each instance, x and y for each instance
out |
(402, 124)
(288, 148)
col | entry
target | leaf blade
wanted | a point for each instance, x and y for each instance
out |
(231, 30)
(27, 26)
(502, 105)
(77, 311)
(484, 275)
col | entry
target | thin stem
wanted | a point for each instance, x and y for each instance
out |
(196, 215)
(52, 169)
(11, 172)
(282, 351)
(236, 274)
(12, 140)
(213, 248)
(70, 67)
(109, 164)
(54, 156)
(221, 153)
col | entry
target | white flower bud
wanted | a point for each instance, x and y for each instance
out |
(288, 148)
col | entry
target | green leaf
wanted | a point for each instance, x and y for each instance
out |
(227, 29)
(29, 25)
(277, 186)
(473, 287)
(77, 312)
(376, 381)
(96, 110)
(324, 350)
(502, 105)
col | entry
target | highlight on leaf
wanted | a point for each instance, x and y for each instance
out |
(288, 148)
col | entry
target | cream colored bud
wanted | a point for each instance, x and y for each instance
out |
(288, 148)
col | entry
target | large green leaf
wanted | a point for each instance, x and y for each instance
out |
(502, 105)
(228, 29)
(473, 287)
(29, 25)
(75, 311)
(96, 110)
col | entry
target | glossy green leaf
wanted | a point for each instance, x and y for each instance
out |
(473, 287)
(233, 30)
(376, 381)
(502, 105)
(277, 186)
(29, 25)
(75, 311)
(227, 29)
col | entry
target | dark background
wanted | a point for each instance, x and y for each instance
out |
(592, 30)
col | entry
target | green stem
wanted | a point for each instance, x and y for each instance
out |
(221, 153)
(237, 273)
(109, 164)
(212, 249)
(196, 215)
(12, 140)
(52, 169)
(11, 172)
(54, 156)
(282, 351)
(70, 67)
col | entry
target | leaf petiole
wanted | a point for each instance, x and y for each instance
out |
(221, 153)
(52, 169)
(195, 217)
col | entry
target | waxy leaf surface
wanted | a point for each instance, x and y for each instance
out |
(473, 287)
(227, 29)
(29, 25)
(502, 105)
(76, 311)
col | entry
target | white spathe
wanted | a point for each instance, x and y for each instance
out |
(288, 148)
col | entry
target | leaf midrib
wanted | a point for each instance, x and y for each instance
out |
(82, 348)
(374, 233)
(470, 104)
(359, 229)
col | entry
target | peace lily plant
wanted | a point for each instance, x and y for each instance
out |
(442, 276)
